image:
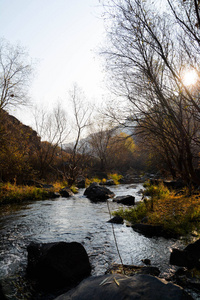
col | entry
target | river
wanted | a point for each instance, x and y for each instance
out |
(77, 219)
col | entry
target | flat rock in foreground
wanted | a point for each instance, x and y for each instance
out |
(120, 287)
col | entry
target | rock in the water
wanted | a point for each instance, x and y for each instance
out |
(66, 192)
(81, 184)
(120, 287)
(95, 192)
(126, 200)
(53, 195)
(146, 261)
(116, 220)
(57, 265)
(108, 182)
(149, 230)
(189, 257)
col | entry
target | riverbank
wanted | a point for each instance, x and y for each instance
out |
(11, 193)
(178, 212)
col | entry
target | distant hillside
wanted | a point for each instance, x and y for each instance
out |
(19, 145)
(12, 125)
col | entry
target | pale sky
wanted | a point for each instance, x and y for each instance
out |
(62, 36)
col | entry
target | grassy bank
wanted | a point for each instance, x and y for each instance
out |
(11, 193)
(175, 211)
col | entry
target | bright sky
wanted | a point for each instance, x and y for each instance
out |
(62, 35)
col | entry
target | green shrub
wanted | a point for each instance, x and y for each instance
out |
(155, 191)
(133, 215)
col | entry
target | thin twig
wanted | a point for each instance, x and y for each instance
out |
(115, 239)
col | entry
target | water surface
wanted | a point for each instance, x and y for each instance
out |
(77, 219)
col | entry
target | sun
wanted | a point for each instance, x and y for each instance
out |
(189, 77)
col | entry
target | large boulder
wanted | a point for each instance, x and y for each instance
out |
(95, 192)
(126, 200)
(189, 257)
(57, 265)
(120, 287)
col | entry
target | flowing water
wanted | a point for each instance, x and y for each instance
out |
(77, 219)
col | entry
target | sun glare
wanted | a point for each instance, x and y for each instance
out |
(190, 77)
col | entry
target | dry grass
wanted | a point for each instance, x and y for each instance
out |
(177, 213)
(12, 193)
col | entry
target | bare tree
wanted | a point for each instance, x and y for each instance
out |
(187, 16)
(81, 121)
(53, 129)
(15, 71)
(99, 139)
(146, 61)
(187, 20)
